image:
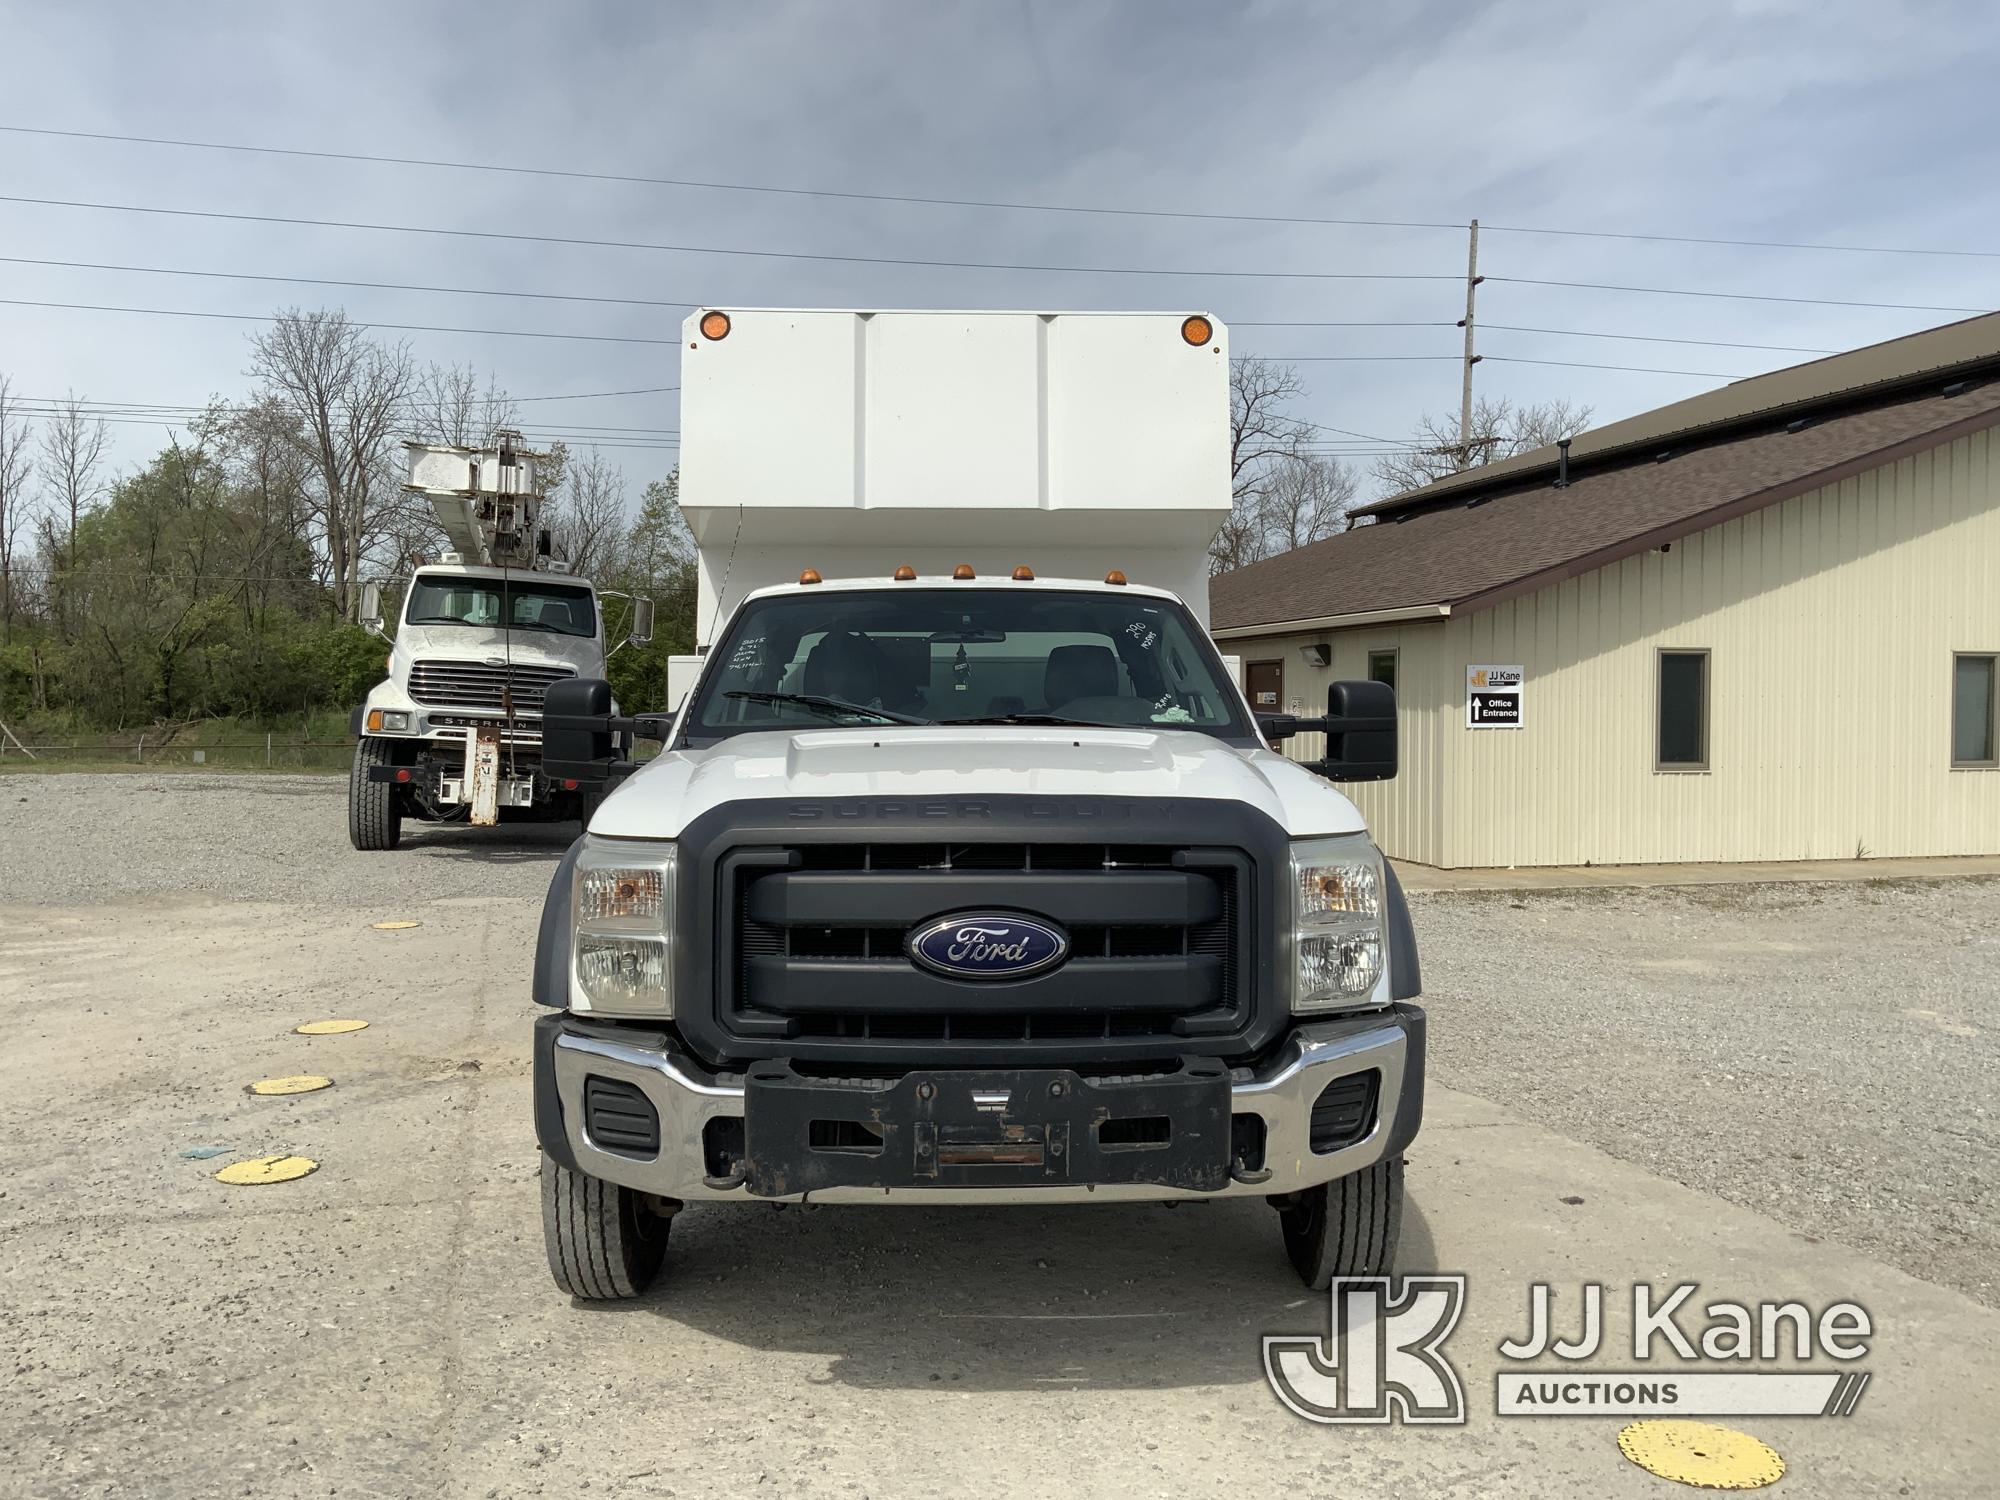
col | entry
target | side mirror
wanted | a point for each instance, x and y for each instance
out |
(642, 622)
(577, 742)
(1276, 727)
(1360, 730)
(371, 607)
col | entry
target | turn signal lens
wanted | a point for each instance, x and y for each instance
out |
(715, 325)
(1115, 577)
(1196, 330)
(906, 574)
(1024, 574)
(810, 575)
(963, 571)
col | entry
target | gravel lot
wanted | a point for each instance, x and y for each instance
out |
(1776, 1091)
(1822, 1053)
(1825, 1054)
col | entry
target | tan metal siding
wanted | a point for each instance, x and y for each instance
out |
(1406, 814)
(1830, 620)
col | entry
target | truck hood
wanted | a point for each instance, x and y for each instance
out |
(529, 648)
(666, 795)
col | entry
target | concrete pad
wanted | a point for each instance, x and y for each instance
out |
(388, 1327)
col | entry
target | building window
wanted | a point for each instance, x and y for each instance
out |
(1683, 711)
(1382, 668)
(1972, 717)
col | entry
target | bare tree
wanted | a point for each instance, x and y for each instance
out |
(17, 471)
(448, 404)
(1307, 498)
(1500, 429)
(588, 517)
(1282, 494)
(72, 451)
(348, 395)
(1262, 438)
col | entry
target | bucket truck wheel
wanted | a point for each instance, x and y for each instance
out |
(603, 1243)
(374, 820)
(1348, 1227)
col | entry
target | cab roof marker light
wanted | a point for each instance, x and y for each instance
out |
(1115, 578)
(963, 571)
(1024, 574)
(906, 574)
(810, 575)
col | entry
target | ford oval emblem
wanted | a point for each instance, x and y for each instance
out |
(987, 945)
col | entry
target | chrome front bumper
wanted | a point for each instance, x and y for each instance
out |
(687, 1096)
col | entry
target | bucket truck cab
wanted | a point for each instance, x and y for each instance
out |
(966, 874)
(454, 732)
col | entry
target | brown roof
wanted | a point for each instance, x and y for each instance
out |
(1529, 533)
(1778, 395)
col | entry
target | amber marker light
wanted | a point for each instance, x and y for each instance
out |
(1024, 574)
(1195, 331)
(906, 574)
(810, 575)
(1115, 577)
(963, 571)
(715, 325)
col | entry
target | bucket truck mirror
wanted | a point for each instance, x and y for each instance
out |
(1360, 728)
(642, 622)
(371, 607)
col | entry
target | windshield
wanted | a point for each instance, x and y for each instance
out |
(559, 608)
(965, 655)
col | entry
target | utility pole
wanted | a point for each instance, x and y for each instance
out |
(1472, 280)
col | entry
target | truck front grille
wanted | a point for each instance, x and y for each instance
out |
(1157, 954)
(477, 685)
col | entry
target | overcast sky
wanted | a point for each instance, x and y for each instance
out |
(1829, 122)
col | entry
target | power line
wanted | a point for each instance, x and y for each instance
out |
(178, 312)
(1649, 338)
(1570, 364)
(1671, 291)
(1696, 239)
(383, 286)
(736, 187)
(89, 407)
(578, 174)
(866, 260)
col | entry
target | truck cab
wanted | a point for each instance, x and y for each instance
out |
(971, 883)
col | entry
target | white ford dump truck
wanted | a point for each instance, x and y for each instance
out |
(965, 874)
(454, 732)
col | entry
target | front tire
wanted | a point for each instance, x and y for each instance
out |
(1348, 1227)
(604, 1244)
(374, 817)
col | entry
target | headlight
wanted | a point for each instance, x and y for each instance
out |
(388, 721)
(1337, 922)
(621, 946)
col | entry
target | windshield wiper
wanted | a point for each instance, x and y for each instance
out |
(1036, 719)
(826, 705)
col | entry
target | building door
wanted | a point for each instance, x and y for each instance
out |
(1266, 682)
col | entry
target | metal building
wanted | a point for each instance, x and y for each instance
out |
(1760, 624)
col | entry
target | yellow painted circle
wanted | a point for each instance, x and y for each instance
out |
(1701, 1454)
(329, 1028)
(259, 1170)
(298, 1083)
(396, 926)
